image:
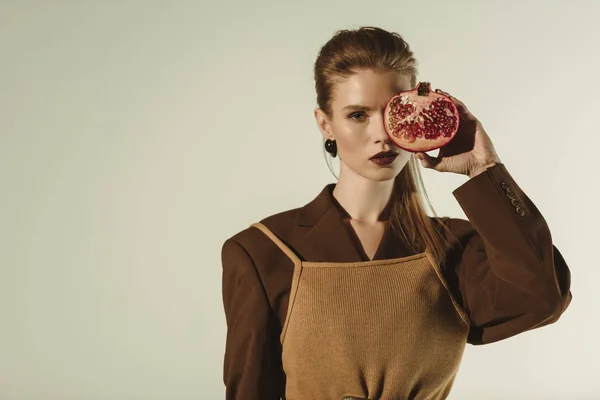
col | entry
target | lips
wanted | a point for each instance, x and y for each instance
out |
(384, 158)
(385, 154)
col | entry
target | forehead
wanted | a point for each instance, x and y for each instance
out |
(370, 88)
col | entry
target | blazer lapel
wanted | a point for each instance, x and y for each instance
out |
(324, 236)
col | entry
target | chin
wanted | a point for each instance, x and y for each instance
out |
(383, 175)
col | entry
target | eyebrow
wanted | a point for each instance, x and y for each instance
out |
(358, 107)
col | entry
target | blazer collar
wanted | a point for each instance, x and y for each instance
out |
(329, 238)
(312, 212)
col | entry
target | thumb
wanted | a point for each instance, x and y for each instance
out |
(428, 161)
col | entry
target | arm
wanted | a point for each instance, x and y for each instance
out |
(510, 276)
(252, 362)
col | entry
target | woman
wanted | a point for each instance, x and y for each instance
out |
(360, 294)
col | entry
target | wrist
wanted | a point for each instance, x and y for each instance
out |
(481, 168)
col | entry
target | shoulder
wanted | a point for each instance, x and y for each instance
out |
(250, 253)
(454, 229)
(255, 242)
(280, 223)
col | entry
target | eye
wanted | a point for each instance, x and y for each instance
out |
(351, 116)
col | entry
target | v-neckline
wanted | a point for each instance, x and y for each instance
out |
(358, 243)
(353, 236)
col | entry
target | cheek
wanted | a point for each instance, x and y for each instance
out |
(351, 149)
(351, 142)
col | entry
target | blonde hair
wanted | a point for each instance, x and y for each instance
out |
(377, 49)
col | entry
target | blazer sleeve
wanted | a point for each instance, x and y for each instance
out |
(252, 362)
(511, 276)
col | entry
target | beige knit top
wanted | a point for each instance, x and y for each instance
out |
(384, 329)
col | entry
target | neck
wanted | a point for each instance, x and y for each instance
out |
(365, 200)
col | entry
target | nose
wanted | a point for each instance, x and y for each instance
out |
(380, 135)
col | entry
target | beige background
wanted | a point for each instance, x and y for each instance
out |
(136, 136)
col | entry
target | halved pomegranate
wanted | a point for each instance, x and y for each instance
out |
(420, 120)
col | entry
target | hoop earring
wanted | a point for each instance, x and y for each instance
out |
(331, 147)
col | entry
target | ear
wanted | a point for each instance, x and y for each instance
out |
(324, 124)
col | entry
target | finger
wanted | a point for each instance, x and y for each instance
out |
(462, 109)
(428, 161)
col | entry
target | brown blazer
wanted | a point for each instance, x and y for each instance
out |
(506, 273)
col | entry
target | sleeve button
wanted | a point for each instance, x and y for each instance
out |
(515, 202)
(505, 186)
(520, 211)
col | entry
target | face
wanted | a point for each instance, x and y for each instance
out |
(358, 131)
